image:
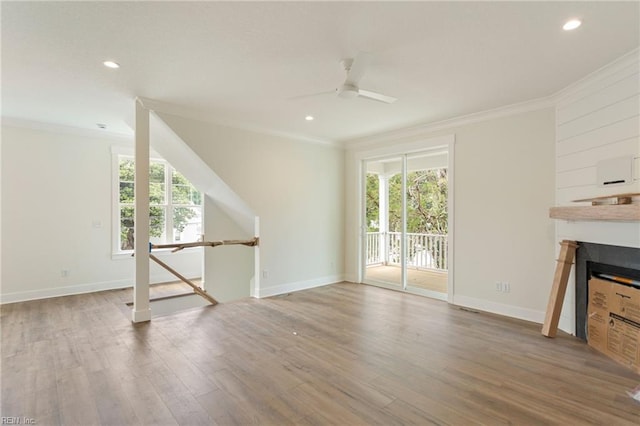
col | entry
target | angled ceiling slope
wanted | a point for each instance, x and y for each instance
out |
(173, 149)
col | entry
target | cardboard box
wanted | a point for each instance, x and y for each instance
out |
(613, 321)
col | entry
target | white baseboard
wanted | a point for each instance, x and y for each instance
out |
(352, 278)
(299, 285)
(46, 293)
(499, 308)
(568, 325)
(565, 324)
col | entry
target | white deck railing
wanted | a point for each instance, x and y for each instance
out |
(427, 251)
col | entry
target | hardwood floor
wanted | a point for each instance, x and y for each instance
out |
(425, 279)
(343, 354)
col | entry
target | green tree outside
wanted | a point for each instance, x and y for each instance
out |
(183, 194)
(427, 192)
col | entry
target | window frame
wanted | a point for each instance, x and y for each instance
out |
(119, 152)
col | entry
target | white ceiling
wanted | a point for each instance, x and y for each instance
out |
(239, 63)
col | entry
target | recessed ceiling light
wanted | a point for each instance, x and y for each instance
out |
(571, 24)
(111, 64)
(309, 118)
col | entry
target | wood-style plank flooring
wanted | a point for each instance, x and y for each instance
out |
(425, 279)
(344, 354)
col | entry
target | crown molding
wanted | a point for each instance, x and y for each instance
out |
(428, 128)
(59, 128)
(627, 60)
(192, 114)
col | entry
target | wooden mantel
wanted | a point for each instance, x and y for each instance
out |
(624, 213)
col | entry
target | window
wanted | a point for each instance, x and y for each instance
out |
(175, 205)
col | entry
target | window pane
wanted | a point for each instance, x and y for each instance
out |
(156, 193)
(182, 191)
(156, 225)
(187, 223)
(156, 183)
(126, 228)
(126, 180)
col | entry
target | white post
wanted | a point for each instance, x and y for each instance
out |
(141, 311)
(255, 284)
(403, 240)
(383, 213)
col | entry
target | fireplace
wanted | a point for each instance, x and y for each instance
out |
(597, 259)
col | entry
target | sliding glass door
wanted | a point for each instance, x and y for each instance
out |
(383, 221)
(406, 222)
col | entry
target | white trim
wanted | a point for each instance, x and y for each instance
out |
(299, 285)
(23, 296)
(577, 88)
(509, 311)
(128, 151)
(256, 282)
(70, 290)
(447, 142)
(60, 128)
(451, 225)
(424, 144)
(141, 315)
(424, 129)
(552, 100)
(499, 308)
(118, 152)
(158, 106)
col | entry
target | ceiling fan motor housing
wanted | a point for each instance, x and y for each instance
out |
(348, 91)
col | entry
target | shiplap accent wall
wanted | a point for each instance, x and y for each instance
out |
(598, 119)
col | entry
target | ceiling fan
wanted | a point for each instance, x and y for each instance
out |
(355, 69)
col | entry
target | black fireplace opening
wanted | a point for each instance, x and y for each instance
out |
(596, 260)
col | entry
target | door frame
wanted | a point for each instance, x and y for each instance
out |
(402, 150)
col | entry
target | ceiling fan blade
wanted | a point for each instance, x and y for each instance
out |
(357, 67)
(312, 95)
(376, 96)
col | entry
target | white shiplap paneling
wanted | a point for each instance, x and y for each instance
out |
(598, 120)
(589, 157)
(607, 95)
(604, 136)
(600, 116)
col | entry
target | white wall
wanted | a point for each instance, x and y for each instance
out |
(56, 214)
(228, 269)
(296, 188)
(597, 119)
(504, 186)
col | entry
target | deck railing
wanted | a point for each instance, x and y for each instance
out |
(427, 251)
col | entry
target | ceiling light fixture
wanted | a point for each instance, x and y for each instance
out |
(309, 118)
(571, 24)
(111, 64)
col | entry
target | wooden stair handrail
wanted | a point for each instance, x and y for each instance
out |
(196, 289)
(180, 246)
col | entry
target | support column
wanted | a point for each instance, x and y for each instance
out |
(383, 217)
(141, 310)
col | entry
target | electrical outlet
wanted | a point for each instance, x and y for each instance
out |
(64, 273)
(265, 273)
(503, 287)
